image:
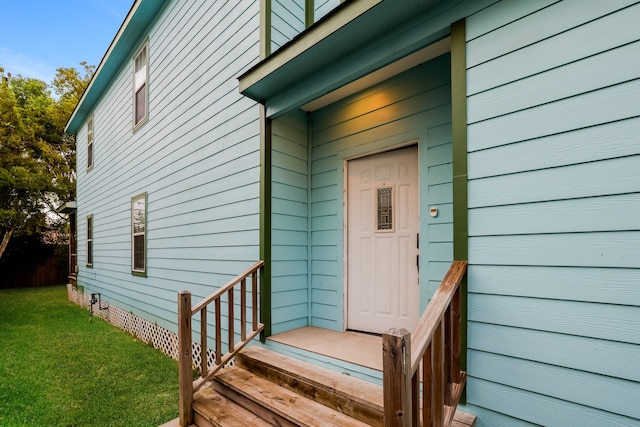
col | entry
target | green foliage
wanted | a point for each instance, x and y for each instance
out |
(37, 159)
(57, 369)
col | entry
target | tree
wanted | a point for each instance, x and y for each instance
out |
(37, 159)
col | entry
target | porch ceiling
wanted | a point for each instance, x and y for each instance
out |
(355, 39)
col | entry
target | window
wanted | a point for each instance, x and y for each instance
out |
(90, 142)
(140, 86)
(139, 234)
(385, 208)
(90, 241)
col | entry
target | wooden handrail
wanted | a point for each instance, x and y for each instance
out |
(230, 284)
(185, 314)
(433, 315)
(433, 348)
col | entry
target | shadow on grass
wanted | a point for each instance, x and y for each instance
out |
(59, 369)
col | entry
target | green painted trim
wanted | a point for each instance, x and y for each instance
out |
(460, 178)
(309, 13)
(265, 28)
(265, 223)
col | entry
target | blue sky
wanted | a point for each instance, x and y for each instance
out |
(39, 36)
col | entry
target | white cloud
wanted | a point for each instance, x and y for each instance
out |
(19, 63)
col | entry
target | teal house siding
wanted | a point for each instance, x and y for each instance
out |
(287, 21)
(413, 107)
(288, 18)
(197, 159)
(554, 236)
(322, 7)
(553, 167)
(290, 213)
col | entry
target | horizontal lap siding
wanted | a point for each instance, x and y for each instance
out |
(287, 21)
(554, 191)
(322, 7)
(197, 158)
(412, 106)
(288, 18)
(289, 222)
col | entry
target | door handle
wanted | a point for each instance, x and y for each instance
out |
(418, 247)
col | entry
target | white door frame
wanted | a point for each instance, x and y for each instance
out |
(345, 201)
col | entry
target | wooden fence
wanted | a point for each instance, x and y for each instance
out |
(47, 267)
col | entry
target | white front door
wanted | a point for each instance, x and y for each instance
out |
(382, 235)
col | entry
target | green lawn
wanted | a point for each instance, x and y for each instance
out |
(59, 369)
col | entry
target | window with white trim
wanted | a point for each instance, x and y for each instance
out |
(139, 234)
(90, 142)
(90, 241)
(140, 86)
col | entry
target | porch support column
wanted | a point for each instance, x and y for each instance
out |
(265, 222)
(265, 182)
(309, 13)
(459, 135)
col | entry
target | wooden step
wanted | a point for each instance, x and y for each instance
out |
(211, 409)
(462, 419)
(354, 397)
(265, 388)
(266, 398)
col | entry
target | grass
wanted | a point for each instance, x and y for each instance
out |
(59, 369)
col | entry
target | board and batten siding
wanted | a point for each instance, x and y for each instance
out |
(413, 106)
(554, 220)
(197, 159)
(289, 222)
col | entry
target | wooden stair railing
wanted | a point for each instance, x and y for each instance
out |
(433, 348)
(185, 314)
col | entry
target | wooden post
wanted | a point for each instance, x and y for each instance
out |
(231, 319)
(415, 398)
(397, 377)
(185, 363)
(204, 359)
(448, 347)
(243, 310)
(218, 332)
(438, 376)
(456, 310)
(427, 389)
(254, 300)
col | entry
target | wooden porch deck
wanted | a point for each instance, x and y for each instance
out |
(353, 347)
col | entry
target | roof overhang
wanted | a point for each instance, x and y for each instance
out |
(129, 36)
(67, 208)
(354, 40)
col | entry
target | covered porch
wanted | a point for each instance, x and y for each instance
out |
(330, 99)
